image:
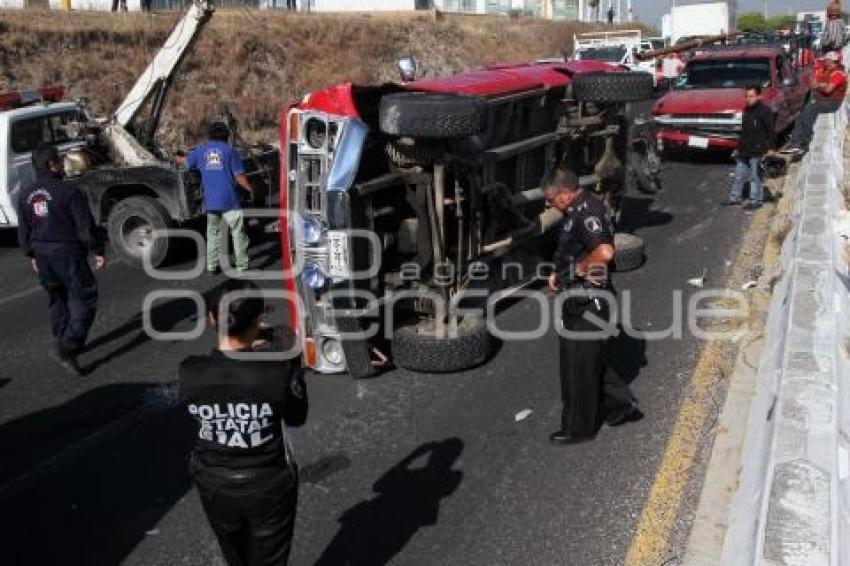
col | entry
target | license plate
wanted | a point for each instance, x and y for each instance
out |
(698, 142)
(338, 254)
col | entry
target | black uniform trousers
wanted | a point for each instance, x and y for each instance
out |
(590, 389)
(72, 298)
(252, 512)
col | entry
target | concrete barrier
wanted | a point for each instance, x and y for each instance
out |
(779, 492)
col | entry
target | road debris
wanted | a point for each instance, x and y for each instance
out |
(522, 415)
(698, 281)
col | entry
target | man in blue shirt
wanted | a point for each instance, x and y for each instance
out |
(221, 176)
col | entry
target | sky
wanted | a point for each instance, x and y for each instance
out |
(649, 11)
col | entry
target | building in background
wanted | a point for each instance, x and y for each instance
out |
(549, 9)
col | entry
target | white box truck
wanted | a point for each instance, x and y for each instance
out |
(706, 18)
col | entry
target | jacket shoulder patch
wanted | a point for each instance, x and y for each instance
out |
(593, 224)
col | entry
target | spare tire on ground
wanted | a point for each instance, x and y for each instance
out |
(419, 347)
(601, 87)
(432, 115)
(629, 251)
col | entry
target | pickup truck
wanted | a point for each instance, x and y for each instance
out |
(404, 206)
(704, 108)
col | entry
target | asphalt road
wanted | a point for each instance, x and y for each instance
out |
(404, 468)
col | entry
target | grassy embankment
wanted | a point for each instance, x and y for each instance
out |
(255, 61)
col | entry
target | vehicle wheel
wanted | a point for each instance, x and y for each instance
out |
(432, 115)
(629, 251)
(417, 347)
(598, 86)
(131, 225)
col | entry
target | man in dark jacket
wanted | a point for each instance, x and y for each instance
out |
(591, 391)
(757, 134)
(57, 232)
(241, 463)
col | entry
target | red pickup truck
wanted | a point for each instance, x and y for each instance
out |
(703, 110)
(405, 207)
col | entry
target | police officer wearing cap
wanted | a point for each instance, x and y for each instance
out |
(590, 390)
(57, 232)
(244, 471)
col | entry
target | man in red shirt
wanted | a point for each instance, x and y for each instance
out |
(829, 92)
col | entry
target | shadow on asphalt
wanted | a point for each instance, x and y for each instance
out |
(711, 157)
(408, 498)
(638, 213)
(4, 382)
(184, 250)
(8, 238)
(164, 317)
(28, 440)
(93, 507)
(323, 468)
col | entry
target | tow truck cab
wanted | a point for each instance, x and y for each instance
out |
(29, 119)
(704, 109)
(615, 47)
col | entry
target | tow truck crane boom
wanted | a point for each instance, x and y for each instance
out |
(127, 139)
(686, 46)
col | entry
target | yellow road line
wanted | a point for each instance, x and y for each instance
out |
(652, 536)
(651, 541)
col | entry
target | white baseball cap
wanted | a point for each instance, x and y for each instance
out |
(832, 56)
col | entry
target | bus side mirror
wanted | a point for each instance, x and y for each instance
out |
(407, 68)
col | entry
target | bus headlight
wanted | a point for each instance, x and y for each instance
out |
(313, 276)
(332, 351)
(312, 231)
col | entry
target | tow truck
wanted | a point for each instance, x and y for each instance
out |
(131, 182)
(704, 108)
(405, 206)
(619, 47)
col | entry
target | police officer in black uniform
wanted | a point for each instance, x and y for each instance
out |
(246, 476)
(57, 232)
(590, 390)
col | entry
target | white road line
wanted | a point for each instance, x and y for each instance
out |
(20, 295)
(35, 289)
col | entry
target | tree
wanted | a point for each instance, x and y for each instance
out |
(782, 21)
(752, 21)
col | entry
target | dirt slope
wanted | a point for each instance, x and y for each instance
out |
(257, 61)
